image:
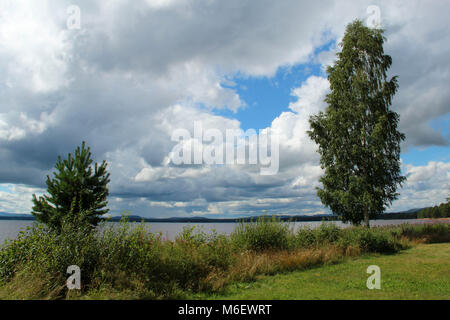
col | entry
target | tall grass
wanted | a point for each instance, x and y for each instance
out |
(428, 233)
(263, 234)
(126, 261)
(121, 257)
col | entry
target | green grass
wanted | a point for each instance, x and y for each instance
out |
(422, 272)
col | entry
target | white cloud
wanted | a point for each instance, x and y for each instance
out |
(17, 198)
(35, 46)
(426, 186)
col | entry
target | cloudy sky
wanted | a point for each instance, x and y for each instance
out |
(127, 74)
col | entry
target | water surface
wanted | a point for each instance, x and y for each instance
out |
(9, 229)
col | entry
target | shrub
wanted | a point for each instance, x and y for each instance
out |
(430, 233)
(122, 256)
(40, 251)
(378, 240)
(263, 234)
(305, 237)
(327, 233)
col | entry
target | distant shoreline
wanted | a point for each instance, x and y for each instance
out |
(18, 218)
(387, 216)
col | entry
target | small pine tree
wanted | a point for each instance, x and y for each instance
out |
(77, 192)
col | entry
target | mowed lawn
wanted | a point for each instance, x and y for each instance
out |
(422, 272)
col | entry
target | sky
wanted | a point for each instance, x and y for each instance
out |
(125, 75)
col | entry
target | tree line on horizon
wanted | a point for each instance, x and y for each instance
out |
(441, 211)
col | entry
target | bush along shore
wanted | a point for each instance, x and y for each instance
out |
(125, 261)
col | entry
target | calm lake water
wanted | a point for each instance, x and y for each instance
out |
(11, 228)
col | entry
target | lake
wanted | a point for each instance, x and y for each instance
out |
(11, 228)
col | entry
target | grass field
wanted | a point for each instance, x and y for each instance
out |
(422, 272)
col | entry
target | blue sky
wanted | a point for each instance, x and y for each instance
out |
(267, 97)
